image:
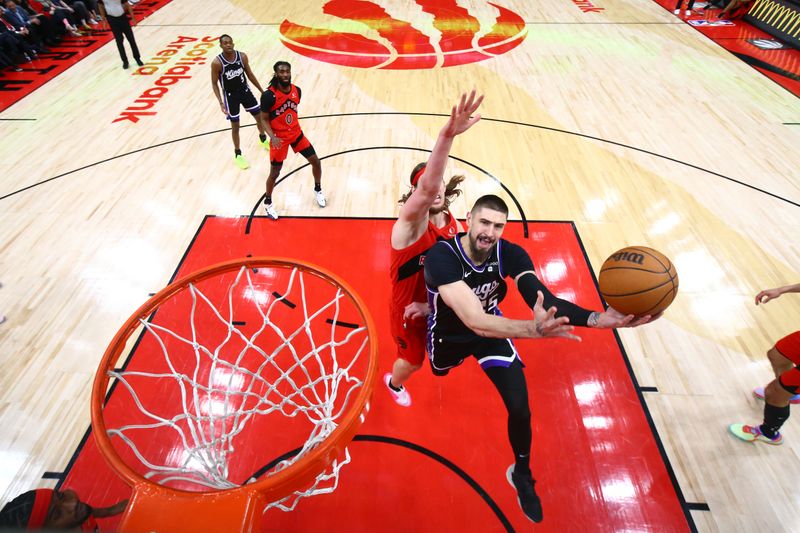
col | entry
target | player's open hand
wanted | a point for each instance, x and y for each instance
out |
(275, 142)
(612, 319)
(416, 310)
(547, 325)
(461, 118)
(767, 295)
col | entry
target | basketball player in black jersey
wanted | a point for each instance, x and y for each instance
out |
(465, 277)
(229, 69)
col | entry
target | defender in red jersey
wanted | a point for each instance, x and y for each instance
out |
(279, 106)
(781, 391)
(423, 219)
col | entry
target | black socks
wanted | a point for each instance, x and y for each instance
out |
(523, 464)
(774, 417)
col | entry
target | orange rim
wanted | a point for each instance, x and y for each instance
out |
(280, 484)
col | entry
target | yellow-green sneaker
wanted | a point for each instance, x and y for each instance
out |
(264, 143)
(241, 162)
(753, 433)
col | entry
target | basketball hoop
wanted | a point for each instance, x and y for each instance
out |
(244, 383)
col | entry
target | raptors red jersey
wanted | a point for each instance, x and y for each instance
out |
(283, 112)
(408, 284)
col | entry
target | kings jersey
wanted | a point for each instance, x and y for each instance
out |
(232, 76)
(447, 262)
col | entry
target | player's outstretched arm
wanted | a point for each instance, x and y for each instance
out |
(461, 119)
(459, 297)
(530, 287)
(770, 294)
(611, 319)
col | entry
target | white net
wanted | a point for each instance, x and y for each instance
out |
(244, 384)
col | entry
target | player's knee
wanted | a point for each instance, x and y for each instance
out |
(776, 358)
(411, 366)
(775, 394)
(520, 412)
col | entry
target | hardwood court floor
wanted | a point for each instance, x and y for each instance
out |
(405, 467)
(626, 121)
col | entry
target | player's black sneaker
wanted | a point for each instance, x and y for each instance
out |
(526, 494)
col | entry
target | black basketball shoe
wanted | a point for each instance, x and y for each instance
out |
(526, 494)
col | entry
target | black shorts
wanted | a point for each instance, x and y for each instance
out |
(445, 355)
(233, 100)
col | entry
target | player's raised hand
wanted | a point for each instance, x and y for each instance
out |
(547, 325)
(461, 118)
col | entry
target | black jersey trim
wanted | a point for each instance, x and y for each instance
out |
(457, 238)
(226, 62)
(297, 141)
(499, 259)
(411, 267)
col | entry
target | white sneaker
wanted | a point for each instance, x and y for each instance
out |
(321, 201)
(402, 398)
(677, 12)
(271, 212)
(688, 13)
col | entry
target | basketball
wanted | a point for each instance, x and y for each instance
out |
(638, 281)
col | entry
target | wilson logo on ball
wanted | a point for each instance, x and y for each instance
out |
(628, 256)
(381, 34)
(638, 280)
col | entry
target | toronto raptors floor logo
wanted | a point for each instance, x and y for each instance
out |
(376, 34)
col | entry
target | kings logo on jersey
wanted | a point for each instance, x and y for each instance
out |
(230, 74)
(485, 294)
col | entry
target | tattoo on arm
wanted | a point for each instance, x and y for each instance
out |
(593, 318)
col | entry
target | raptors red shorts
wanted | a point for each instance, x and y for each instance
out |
(410, 339)
(299, 144)
(789, 347)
